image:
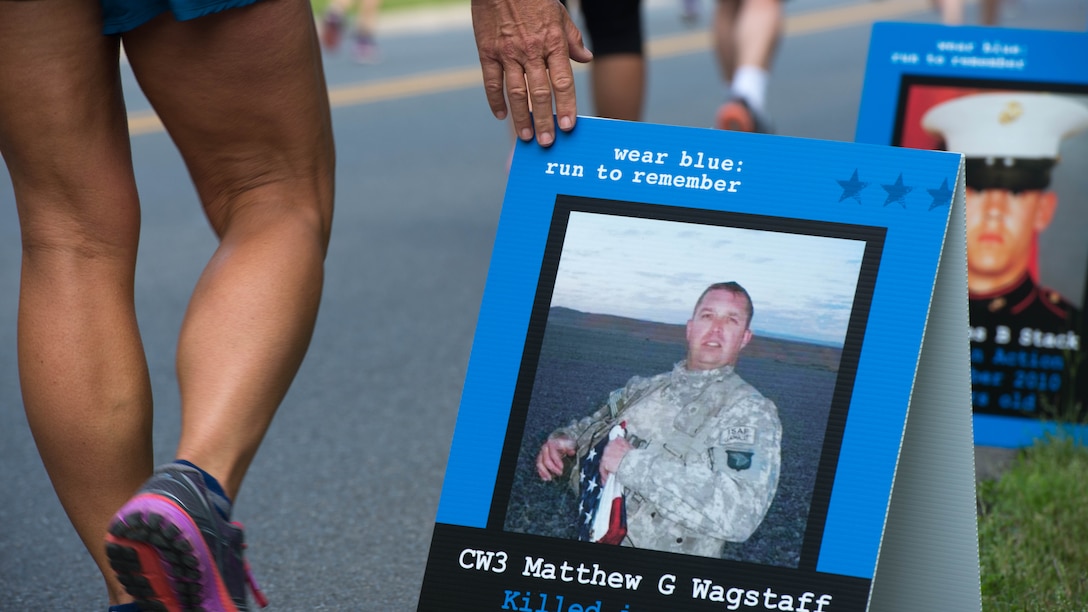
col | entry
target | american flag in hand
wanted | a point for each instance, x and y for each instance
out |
(602, 509)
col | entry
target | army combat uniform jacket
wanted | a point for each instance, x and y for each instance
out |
(706, 459)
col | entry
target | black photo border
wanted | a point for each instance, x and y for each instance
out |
(872, 236)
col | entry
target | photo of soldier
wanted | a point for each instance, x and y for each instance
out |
(1026, 337)
(712, 457)
(701, 455)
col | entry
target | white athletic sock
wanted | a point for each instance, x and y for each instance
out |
(750, 83)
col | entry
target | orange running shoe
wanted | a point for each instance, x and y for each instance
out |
(737, 116)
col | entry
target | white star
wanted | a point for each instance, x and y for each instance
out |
(592, 485)
(592, 454)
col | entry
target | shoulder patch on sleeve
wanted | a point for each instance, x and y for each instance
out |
(738, 460)
(738, 435)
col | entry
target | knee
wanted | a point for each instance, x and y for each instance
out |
(302, 206)
(79, 225)
(74, 241)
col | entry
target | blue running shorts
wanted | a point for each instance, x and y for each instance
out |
(123, 15)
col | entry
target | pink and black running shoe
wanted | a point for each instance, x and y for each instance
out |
(174, 552)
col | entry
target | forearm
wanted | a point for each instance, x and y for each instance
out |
(575, 430)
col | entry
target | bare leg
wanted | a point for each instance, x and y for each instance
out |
(746, 33)
(247, 106)
(725, 40)
(81, 364)
(746, 38)
(951, 11)
(365, 47)
(619, 83)
(758, 29)
(367, 21)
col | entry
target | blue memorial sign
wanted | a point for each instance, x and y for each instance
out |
(692, 370)
(1015, 103)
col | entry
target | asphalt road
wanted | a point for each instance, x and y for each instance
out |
(339, 502)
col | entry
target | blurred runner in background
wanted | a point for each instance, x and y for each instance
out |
(952, 11)
(364, 48)
(614, 29)
(746, 35)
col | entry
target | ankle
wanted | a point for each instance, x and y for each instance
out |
(219, 497)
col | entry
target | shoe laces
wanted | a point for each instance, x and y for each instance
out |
(251, 581)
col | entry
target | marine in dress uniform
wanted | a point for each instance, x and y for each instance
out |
(1025, 338)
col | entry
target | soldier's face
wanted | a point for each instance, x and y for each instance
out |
(718, 330)
(1000, 229)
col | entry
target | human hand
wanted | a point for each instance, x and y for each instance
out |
(549, 461)
(525, 50)
(614, 452)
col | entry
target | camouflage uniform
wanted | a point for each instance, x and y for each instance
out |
(705, 464)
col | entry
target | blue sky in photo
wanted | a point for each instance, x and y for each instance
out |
(654, 270)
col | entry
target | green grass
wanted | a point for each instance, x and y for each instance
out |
(393, 5)
(1033, 531)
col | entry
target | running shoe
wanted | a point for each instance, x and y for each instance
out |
(173, 550)
(332, 31)
(689, 11)
(365, 50)
(737, 116)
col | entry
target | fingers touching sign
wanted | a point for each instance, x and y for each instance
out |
(525, 51)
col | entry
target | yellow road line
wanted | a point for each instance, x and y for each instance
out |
(144, 122)
(402, 87)
(440, 81)
(874, 10)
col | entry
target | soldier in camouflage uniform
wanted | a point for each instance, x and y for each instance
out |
(700, 460)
